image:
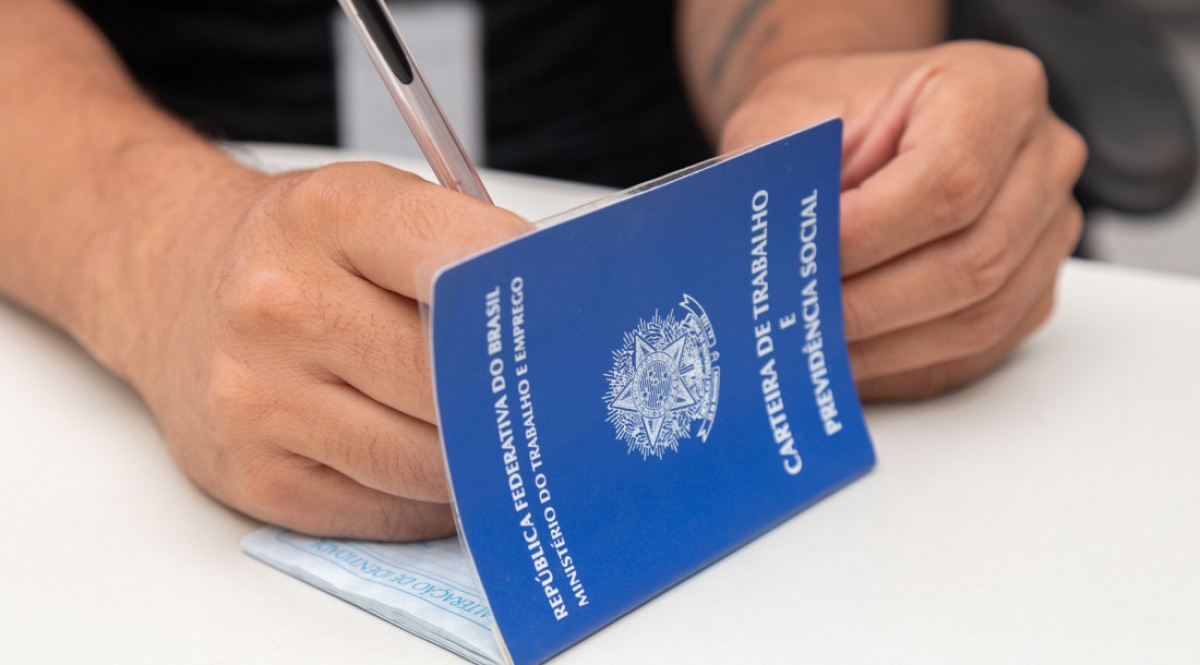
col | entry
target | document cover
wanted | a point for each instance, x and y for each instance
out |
(632, 393)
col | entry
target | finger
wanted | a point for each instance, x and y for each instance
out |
(375, 343)
(934, 380)
(378, 447)
(968, 267)
(335, 425)
(300, 494)
(979, 328)
(961, 141)
(382, 223)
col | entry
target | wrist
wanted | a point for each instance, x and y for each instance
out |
(727, 49)
(139, 270)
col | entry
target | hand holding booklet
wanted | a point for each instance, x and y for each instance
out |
(624, 396)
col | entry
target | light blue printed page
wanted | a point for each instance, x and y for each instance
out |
(425, 588)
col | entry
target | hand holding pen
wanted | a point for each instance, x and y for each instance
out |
(286, 362)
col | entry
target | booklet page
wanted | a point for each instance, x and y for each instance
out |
(424, 588)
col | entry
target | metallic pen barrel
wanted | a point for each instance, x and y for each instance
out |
(416, 102)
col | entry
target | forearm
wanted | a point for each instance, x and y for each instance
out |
(729, 45)
(93, 181)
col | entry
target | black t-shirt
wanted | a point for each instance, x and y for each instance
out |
(576, 89)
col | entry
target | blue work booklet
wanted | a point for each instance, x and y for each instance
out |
(624, 397)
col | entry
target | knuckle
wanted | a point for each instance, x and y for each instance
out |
(961, 185)
(1012, 68)
(354, 194)
(323, 192)
(981, 268)
(342, 193)
(263, 296)
(1028, 72)
(265, 488)
(1008, 65)
(861, 244)
(985, 327)
(861, 315)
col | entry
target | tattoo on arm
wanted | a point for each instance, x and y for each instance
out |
(741, 23)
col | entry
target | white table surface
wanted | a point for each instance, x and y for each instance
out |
(1047, 514)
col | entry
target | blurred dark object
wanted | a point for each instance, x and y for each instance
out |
(1175, 9)
(233, 69)
(587, 91)
(1110, 79)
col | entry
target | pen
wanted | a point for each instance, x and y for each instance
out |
(424, 116)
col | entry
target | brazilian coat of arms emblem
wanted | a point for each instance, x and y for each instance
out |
(663, 380)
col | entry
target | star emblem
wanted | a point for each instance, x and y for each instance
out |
(656, 389)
